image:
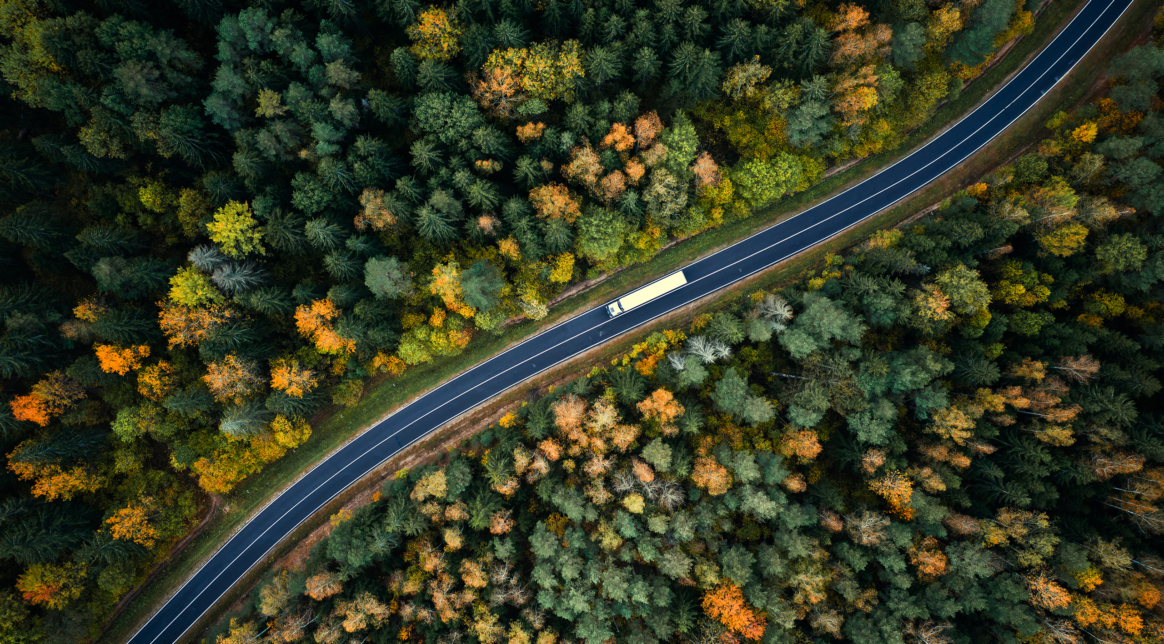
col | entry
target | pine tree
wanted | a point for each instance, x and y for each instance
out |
(482, 283)
(282, 404)
(238, 277)
(247, 419)
(190, 402)
(324, 234)
(646, 65)
(735, 41)
(31, 225)
(629, 385)
(436, 76)
(602, 66)
(434, 225)
(425, 156)
(558, 235)
(971, 45)
(125, 326)
(41, 533)
(694, 72)
(343, 265)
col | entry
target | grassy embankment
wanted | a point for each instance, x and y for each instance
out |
(336, 428)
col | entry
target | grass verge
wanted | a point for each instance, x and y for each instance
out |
(339, 426)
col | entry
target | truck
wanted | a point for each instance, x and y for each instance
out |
(655, 289)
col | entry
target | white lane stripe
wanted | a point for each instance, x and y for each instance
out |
(629, 329)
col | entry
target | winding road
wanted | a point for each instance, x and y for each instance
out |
(543, 351)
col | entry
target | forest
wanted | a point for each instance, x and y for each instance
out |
(220, 217)
(951, 433)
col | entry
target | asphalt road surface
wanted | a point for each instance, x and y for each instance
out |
(592, 328)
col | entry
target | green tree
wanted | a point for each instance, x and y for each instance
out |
(629, 385)
(763, 182)
(600, 234)
(602, 66)
(822, 321)
(483, 283)
(968, 294)
(646, 65)
(975, 42)
(726, 327)
(387, 277)
(731, 392)
(908, 43)
(17, 625)
(1121, 253)
(808, 123)
(1141, 67)
(694, 72)
(42, 532)
(238, 277)
(682, 146)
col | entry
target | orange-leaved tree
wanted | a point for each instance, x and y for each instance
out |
(289, 376)
(323, 585)
(315, 321)
(711, 476)
(446, 284)
(58, 392)
(232, 378)
(156, 381)
(662, 408)
(50, 480)
(554, 201)
(30, 408)
(897, 489)
(726, 604)
(803, 444)
(52, 585)
(435, 35)
(121, 360)
(931, 562)
(186, 326)
(1045, 592)
(132, 523)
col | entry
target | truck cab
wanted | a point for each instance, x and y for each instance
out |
(613, 309)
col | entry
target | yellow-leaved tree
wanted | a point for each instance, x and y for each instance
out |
(236, 231)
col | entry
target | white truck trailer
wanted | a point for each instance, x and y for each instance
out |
(647, 293)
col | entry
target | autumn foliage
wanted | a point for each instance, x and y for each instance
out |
(711, 476)
(662, 408)
(315, 321)
(323, 585)
(803, 444)
(132, 523)
(121, 360)
(30, 408)
(50, 481)
(290, 376)
(896, 489)
(233, 378)
(188, 326)
(727, 605)
(435, 35)
(52, 585)
(156, 381)
(555, 201)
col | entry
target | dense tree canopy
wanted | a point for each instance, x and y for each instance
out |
(949, 434)
(217, 218)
